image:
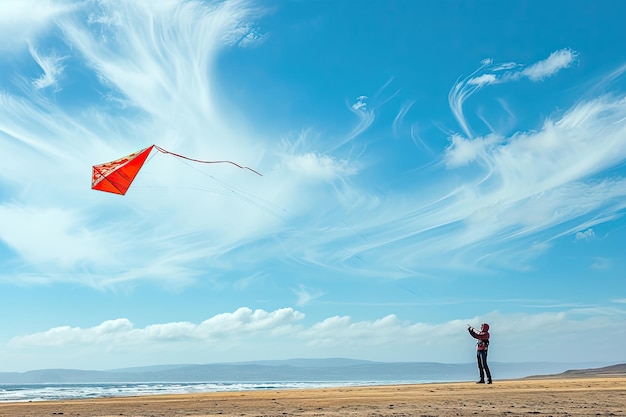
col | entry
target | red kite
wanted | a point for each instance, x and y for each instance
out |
(116, 176)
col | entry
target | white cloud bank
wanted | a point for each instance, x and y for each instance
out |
(258, 334)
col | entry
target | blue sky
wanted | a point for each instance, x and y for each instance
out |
(425, 165)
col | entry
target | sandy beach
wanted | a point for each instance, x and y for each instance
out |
(597, 396)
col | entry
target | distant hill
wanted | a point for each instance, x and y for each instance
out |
(303, 370)
(612, 370)
(313, 363)
(619, 369)
(299, 363)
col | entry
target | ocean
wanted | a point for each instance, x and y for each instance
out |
(51, 392)
(67, 384)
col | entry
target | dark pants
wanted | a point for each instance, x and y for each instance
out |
(483, 368)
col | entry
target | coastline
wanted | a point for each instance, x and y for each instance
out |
(580, 396)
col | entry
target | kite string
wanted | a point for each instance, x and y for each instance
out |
(242, 195)
(158, 148)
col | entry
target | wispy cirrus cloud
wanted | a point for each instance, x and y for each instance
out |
(52, 66)
(63, 246)
(587, 234)
(366, 115)
(314, 205)
(319, 166)
(168, 93)
(537, 183)
(489, 73)
(601, 263)
(365, 108)
(557, 61)
(252, 38)
(398, 120)
(23, 20)
(306, 295)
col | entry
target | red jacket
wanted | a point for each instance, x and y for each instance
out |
(482, 336)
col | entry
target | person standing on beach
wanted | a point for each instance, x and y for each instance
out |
(481, 350)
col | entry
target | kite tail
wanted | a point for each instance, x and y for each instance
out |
(158, 148)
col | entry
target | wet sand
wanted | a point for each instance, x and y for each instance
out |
(596, 396)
